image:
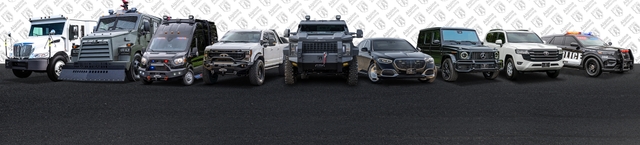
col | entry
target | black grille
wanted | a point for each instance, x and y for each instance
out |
(625, 56)
(22, 51)
(481, 66)
(95, 51)
(238, 55)
(320, 47)
(407, 64)
(487, 55)
(158, 68)
(542, 55)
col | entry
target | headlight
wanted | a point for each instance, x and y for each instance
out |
(521, 51)
(247, 54)
(606, 52)
(124, 50)
(464, 55)
(293, 49)
(179, 61)
(560, 52)
(429, 60)
(346, 48)
(40, 55)
(143, 61)
(384, 61)
(497, 55)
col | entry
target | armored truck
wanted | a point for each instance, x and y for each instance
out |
(175, 51)
(47, 47)
(321, 47)
(244, 53)
(114, 50)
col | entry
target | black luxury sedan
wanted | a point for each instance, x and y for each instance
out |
(394, 58)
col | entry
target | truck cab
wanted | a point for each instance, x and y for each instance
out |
(47, 47)
(176, 50)
(247, 52)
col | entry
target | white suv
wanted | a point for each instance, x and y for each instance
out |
(523, 51)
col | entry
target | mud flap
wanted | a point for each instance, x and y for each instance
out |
(107, 73)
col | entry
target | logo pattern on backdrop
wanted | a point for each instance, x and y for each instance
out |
(613, 20)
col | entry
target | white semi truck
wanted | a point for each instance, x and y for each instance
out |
(47, 47)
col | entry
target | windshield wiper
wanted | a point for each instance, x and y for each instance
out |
(472, 42)
(457, 42)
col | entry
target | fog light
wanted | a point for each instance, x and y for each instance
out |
(519, 63)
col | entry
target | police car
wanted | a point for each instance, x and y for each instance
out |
(586, 51)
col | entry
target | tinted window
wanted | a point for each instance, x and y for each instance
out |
(44, 29)
(271, 36)
(518, 37)
(169, 44)
(460, 35)
(117, 23)
(391, 45)
(322, 28)
(491, 37)
(253, 37)
(569, 40)
(557, 41)
(590, 40)
(500, 36)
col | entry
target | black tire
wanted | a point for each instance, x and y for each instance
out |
(133, 74)
(449, 73)
(188, 77)
(22, 73)
(510, 69)
(55, 67)
(491, 75)
(289, 77)
(209, 77)
(553, 73)
(592, 67)
(425, 80)
(369, 71)
(256, 73)
(352, 78)
(281, 69)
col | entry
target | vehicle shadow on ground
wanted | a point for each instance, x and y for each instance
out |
(394, 81)
(532, 77)
(583, 74)
(235, 81)
(468, 79)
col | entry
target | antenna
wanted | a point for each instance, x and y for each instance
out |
(125, 5)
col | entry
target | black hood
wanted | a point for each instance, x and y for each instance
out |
(399, 54)
(468, 47)
(604, 48)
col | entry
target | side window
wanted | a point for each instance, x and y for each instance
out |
(557, 40)
(491, 37)
(569, 40)
(73, 32)
(81, 31)
(271, 36)
(428, 37)
(500, 37)
(436, 35)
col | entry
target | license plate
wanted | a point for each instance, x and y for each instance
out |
(157, 76)
(222, 69)
(546, 64)
(319, 65)
(411, 71)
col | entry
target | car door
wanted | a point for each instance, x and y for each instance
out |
(490, 41)
(280, 44)
(363, 56)
(571, 55)
(435, 49)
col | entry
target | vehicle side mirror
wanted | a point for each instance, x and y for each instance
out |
(435, 42)
(574, 44)
(55, 41)
(52, 32)
(418, 48)
(364, 49)
(194, 51)
(9, 34)
(610, 43)
(499, 41)
(359, 33)
(146, 26)
(264, 43)
(545, 42)
(73, 32)
(286, 32)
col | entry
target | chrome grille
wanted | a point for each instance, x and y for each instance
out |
(542, 55)
(237, 55)
(402, 64)
(22, 50)
(479, 55)
(320, 47)
(95, 51)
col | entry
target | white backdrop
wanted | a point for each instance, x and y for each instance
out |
(612, 20)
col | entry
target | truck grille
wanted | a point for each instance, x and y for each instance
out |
(542, 55)
(320, 47)
(479, 55)
(625, 56)
(401, 64)
(95, 51)
(22, 50)
(237, 55)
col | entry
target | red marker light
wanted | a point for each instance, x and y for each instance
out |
(624, 50)
(166, 61)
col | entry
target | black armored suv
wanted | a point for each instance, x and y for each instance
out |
(176, 50)
(458, 50)
(321, 47)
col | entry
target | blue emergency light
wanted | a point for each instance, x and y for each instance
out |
(152, 68)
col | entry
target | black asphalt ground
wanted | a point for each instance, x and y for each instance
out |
(571, 109)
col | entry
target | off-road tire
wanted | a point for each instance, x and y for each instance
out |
(289, 77)
(491, 75)
(22, 73)
(553, 73)
(597, 69)
(133, 74)
(510, 70)
(209, 77)
(54, 68)
(256, 73)
(449, 70)
(352, 79)
(188, 79)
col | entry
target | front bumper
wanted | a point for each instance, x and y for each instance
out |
(38, 64)
(468, 66)
(101, 71)
(317, 62)
(227, 67)
(612, 64)
(154, 75)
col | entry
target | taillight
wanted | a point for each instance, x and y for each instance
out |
(624, 50)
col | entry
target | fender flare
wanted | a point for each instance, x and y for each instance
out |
(586, 55)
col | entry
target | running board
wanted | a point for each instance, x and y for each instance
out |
(270, 67)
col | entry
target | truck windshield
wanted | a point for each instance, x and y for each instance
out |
(117, 23)
(520, 37)
(245, 37)
(323, 28)
(460, 36)
(169, 44)
(590, 41)
(44, 29)
(391, 45)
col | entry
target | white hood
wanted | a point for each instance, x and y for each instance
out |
(227, 45)
(39, 44)
(532, 46)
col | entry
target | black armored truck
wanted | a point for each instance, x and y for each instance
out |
(321, 47)
(176, 50)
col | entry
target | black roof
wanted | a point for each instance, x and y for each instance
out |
(447, 28)
(323, 22)
(383, 38)
(178, 29)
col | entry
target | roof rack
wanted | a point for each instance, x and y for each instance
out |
(522, 30)
(494, 29)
